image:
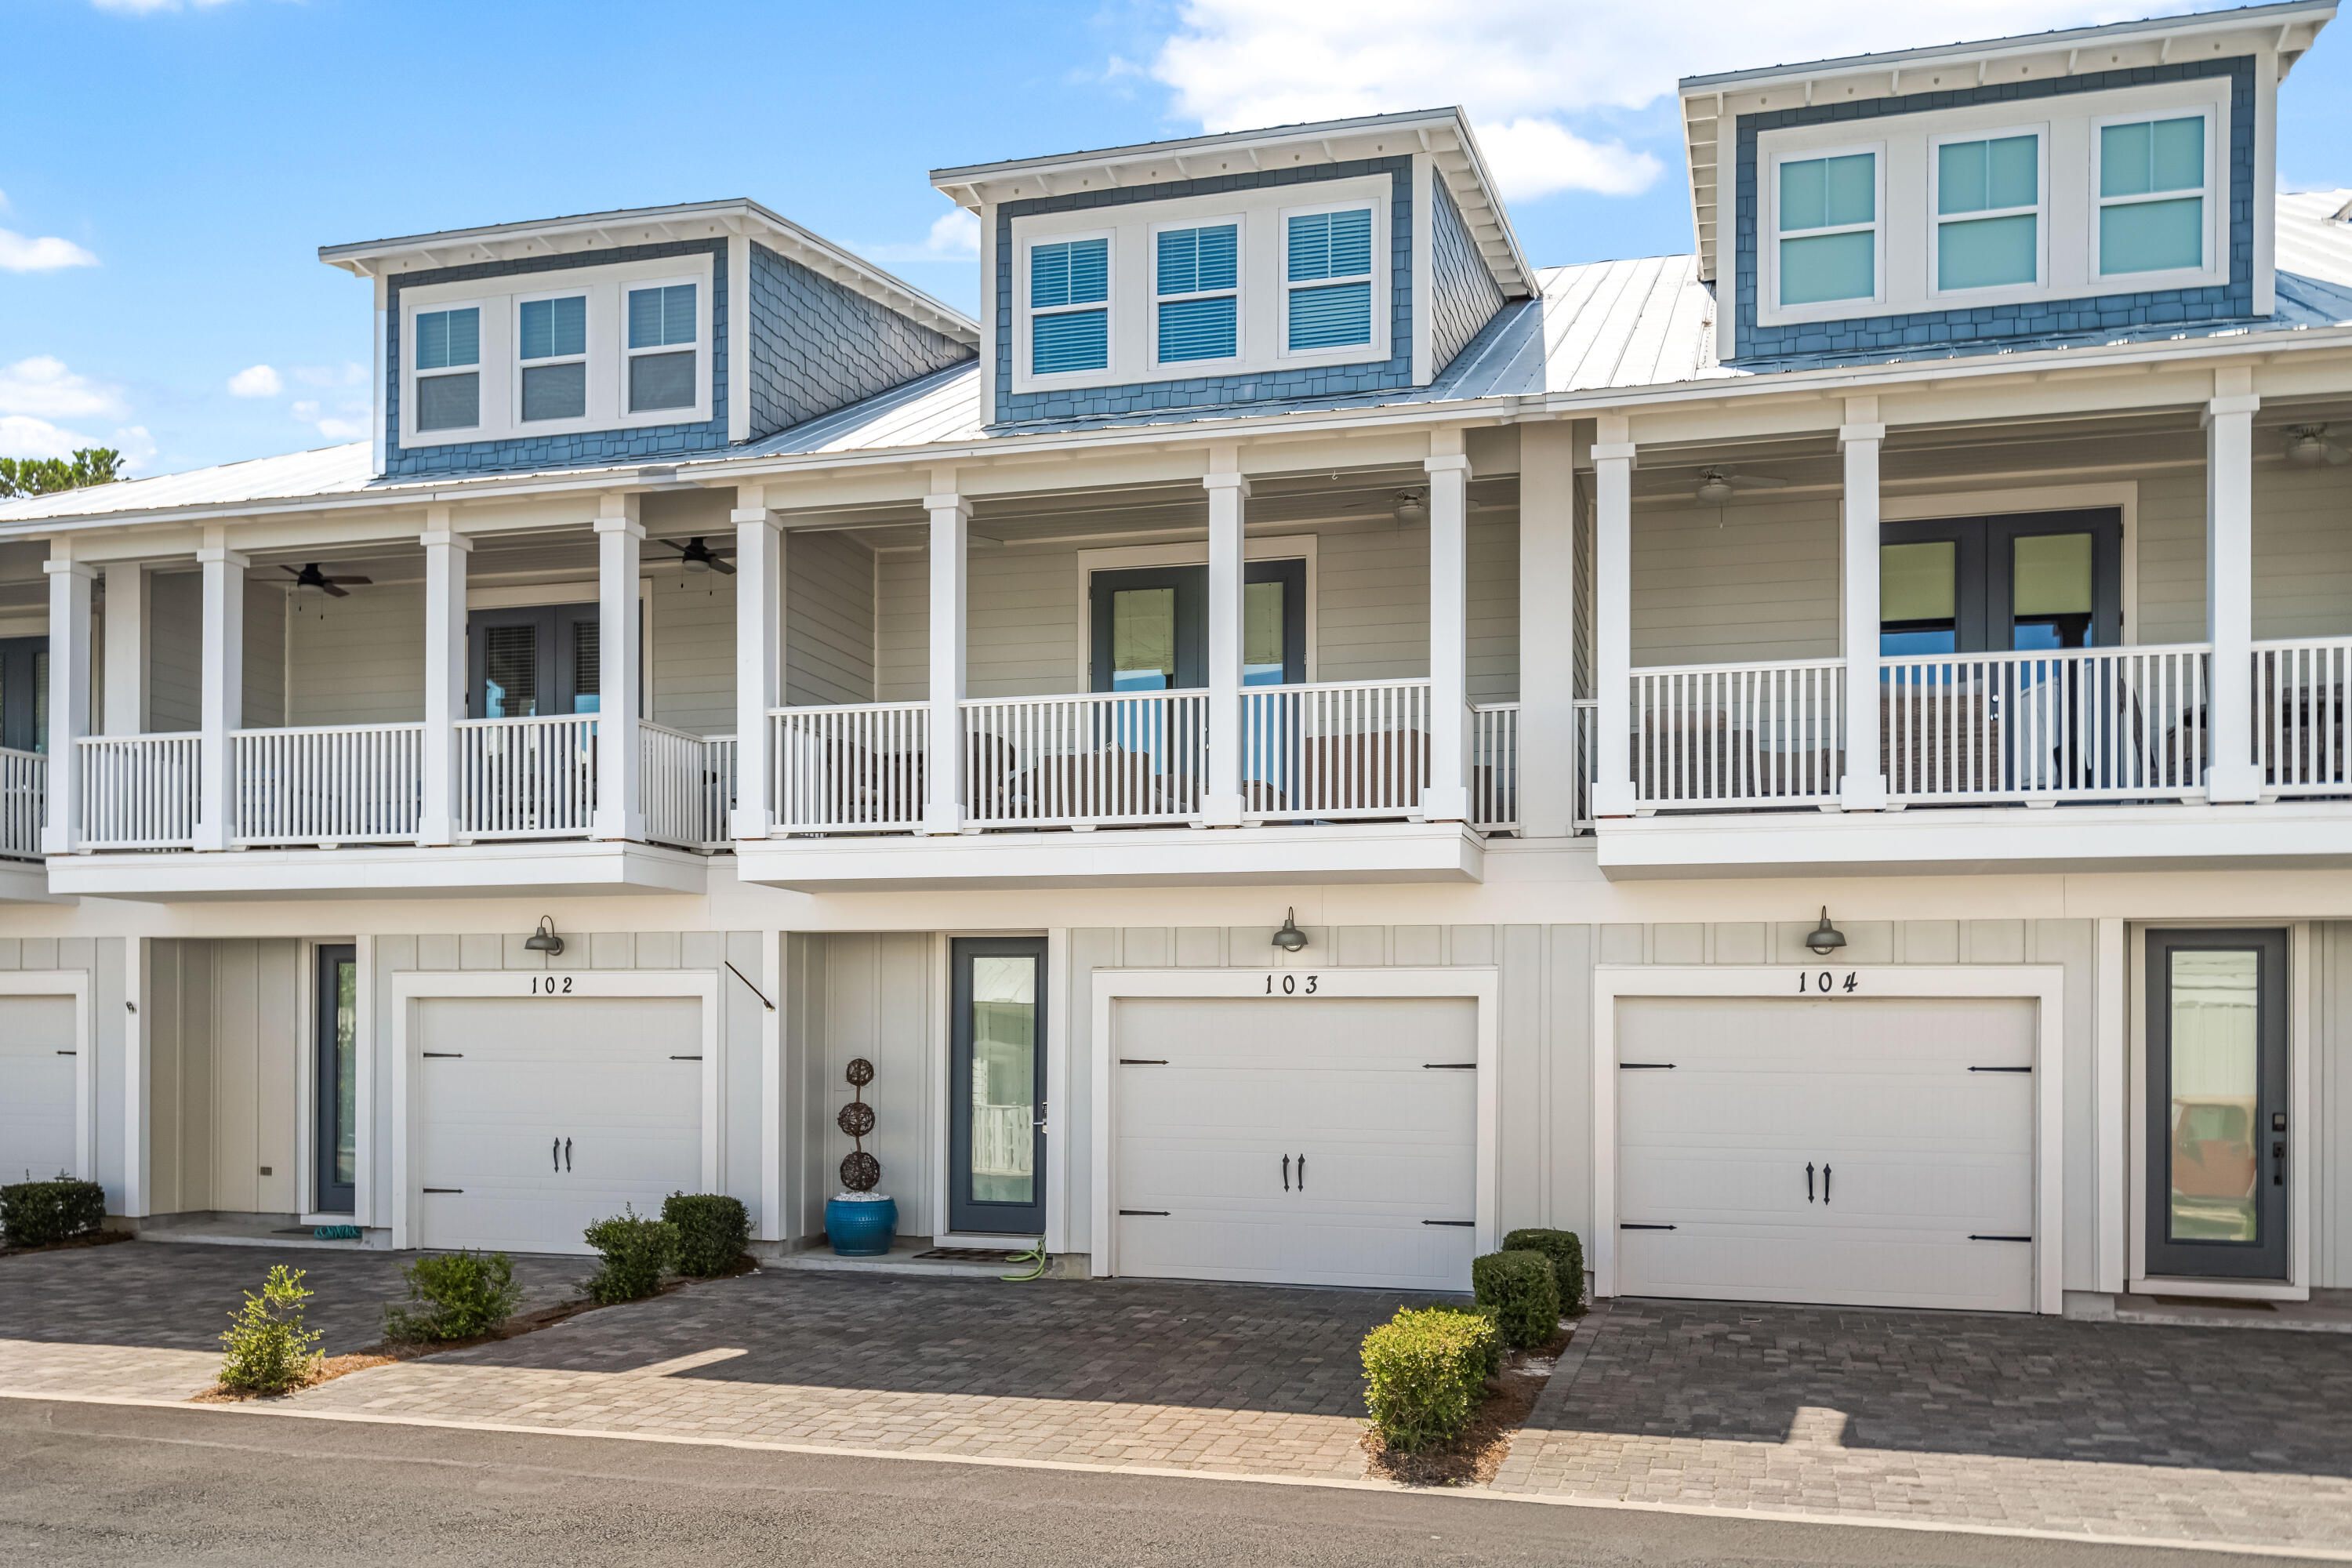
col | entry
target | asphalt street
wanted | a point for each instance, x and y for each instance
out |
(104, 1484)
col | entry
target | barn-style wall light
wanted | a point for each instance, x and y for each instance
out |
(1825, 938)
(1290, 939)
(544, 939)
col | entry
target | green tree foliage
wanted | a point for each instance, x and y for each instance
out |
(43, 476)
(268, 1350)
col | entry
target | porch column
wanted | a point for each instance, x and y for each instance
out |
(221, 704)
(1864, 786)
(1447, 797)
(126, 648)
(2232, 773)
(445, 675)
(620, 543)
(1547, 760)
(758, 662)
(1228, 487)
(69, 582)
(950, 516)
(1612, 611)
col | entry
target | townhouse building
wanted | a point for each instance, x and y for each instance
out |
(1299, 740)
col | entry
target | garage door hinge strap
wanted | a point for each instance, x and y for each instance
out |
(686, 1059)
(2001, 1070)
(2000, 1238)
(1465, 1223)
(445, 1189)
(453, 1055)
(1162, 1213)
(1143, 1061)
(68, 1053)
(1645, 1227)
(1655, 1066)
(1453, 1066)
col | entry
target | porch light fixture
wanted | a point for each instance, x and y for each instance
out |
(1411, 506)
(1825, 939)
(1290, 939)
(544, 939)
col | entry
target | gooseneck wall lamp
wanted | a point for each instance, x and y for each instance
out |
(1290, 939)
(544, 939)
(1825, 939)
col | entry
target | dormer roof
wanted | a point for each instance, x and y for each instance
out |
(651, 225)
(1444, 134)
(2288, 29)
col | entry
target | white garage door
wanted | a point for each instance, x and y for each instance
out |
(1324, 1141)
(1877, 1152)
(37, 1088)
(537, 1117)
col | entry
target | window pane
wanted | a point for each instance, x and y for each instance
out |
(1800, 196)
(2214, 1037)
(1330, 245)
(1197, 260)
(448, 402)
(1004, 1079)
(2012, 173)
(1262, 640)
(1983, 252)
(2176, 155)
(510, 672)
(2123, 160)
(587, 666)
(1850, 193)
(1143, 639)
(1975, 176)
(1078, 340)
(1918, 582)
(1827, 267)
(2149, 236)
(1069, 272)
(446, 337)
(661, 380)
(1198, 329)
(1331, 317)
(551, 328)
(661, 316)
(2049, 591)
(555, 391)
(347, 1035)
(1959, 178)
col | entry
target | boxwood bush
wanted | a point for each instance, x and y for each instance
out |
(1567, 1254)
(712, 1231)
(1524, 1295)
(1425, 1372)
(636, 1250)
(35, 1214)
(455, 1296)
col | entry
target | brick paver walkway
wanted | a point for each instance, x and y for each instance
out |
(2175, 1434)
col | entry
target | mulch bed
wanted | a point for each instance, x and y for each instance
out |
(1473, 1458)
(71, 1244)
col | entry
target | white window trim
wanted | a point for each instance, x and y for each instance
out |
(1179, 367)
(1769, 236)
(1383, 307)
(1991, 294)
(1024, 312)
(2216, 267)
(587, 356)
(700, 344)
(410, 375)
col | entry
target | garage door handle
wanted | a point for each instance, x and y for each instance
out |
(555, 1156)
(2000, 1238)
(1825, 1187)
(1809, 1180)
(1286, 1173)
(1302, 1173)
(567, 1153)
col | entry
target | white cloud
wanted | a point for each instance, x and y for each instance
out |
(21, 435)
(22, 253)
(256, 381)
(44, 388)
(350, 421)
(1532, 157)
(136, 447)
(955, 237)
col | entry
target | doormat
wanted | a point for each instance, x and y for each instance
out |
(2202, 1302)
(967, 1255)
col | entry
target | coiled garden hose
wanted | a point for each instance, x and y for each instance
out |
(1035, 1255)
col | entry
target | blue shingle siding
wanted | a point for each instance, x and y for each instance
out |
(588, 448)
(1987, 329)
(1211, 391)
(1463, 294)
(816, 345)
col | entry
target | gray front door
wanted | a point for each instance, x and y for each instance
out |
(2217, 1104)
(996, 1085)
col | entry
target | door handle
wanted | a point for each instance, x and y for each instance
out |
(1302, 1173)
(1286, 1173)
(2278, 1164)
(1809, 1180)
(555, 1156)
(567, 1153)
(1825, 1187)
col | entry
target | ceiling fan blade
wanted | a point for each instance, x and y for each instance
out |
(293, 572)
(1753, 482)
(338, 593)
(721, 567)
(351, 579)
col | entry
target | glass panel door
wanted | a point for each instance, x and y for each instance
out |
(540, 660)
(2052, 599)
(996, 1087)
(335, 1080)
(25, 693)
(1143, 639)
(2218, 1130)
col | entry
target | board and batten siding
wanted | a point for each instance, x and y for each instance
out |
(872, 994)
(225, 1032)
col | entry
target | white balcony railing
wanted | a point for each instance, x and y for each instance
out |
(23, 802)
(2299, 715)
(1095, 759)
(527, 778)
(1339, 749)
(1724, 735)
(1495, 766)
(857, 767)
(342, 783)
(2105, 723)
(688, 785)
(138, 792)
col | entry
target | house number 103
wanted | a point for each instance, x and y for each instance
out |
(1290, 984)
(1808, 981)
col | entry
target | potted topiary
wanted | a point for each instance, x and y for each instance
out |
(859, 1221)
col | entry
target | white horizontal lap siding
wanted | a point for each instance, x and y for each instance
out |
(1371, 610)
(691, 674)
(358, 660)
(829, 600)
(2303, 551)
(266, 610)
(2171, 558)
(1747, 581)
(902, 626)
(175, 651)
(1493, 607)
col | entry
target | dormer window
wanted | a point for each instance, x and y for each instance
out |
(551, 341)
(2154, 184)
(1070, 295)
(1828, 226)
(448, 342)
(1988, 212)
(661, 375)
(1196, 292)
(1328, 278)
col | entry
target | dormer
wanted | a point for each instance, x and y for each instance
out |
(1318, 261)
(627, 336)
(2092, 184)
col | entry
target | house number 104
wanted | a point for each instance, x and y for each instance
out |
(1291, 986)
(1825, 981)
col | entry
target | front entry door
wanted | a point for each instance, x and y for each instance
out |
(335, 1074)
(25, 693)
(2217, 1104)
(996, 1087)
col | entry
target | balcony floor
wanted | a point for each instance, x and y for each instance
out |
(505, 868)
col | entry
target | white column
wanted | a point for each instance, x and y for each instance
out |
(950, 517)
(1864, 786)
(69, 583)
(1447, 796)
(2232, 773)
(758, 658)
(126, 648)
(620, 541)
(222, 694)
(1612, 613)
(445, 675)
(1548, 761)
(1228, 487)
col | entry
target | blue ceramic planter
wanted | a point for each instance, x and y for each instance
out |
(861, 1228)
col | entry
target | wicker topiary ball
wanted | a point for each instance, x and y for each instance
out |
(856, 1118)
(860, 1172)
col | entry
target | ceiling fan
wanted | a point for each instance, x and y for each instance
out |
(311, 577)
(1719, 485)
(2308, 446)
(697, 556)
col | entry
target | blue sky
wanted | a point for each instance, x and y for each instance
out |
(170, 169)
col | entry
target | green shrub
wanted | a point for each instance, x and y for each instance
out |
(1425, 1372)
(35, 1214)
(712, 1231)
(636, 1250)
(463, 1294)
(1520, 1287)
(268, 1353)
(1567, 1254)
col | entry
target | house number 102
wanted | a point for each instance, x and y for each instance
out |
(1825, 981)
(1290, 986)
(551, 985)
